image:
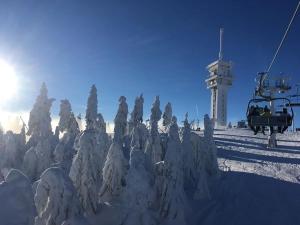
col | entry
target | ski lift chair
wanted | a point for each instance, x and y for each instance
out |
(278, 122)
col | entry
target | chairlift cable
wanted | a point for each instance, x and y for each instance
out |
(284, 37)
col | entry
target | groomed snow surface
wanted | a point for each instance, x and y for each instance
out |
(257, 185)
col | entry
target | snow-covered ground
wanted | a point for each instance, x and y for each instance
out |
(258, 185)
(241, 151)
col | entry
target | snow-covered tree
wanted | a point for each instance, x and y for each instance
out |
(92, 108)
(115, 167)
(114, 172)
(188, 155)
(167, 116)
(44, 153)
(67, 121)
(138, 195)
(64, 150)
(121, 121)
(137, 113)
(30, 164)
(153, 145)
(39, 119)
(55, 199)
(172, 196)
(136, 123)
(95, 122)
(205, 160)
(86, 171)
(211, 160)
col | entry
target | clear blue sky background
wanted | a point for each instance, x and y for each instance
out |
(150, 47)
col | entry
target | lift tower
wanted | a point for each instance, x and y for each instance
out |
(219, 80)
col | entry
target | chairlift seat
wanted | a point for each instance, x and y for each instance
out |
(271, 121)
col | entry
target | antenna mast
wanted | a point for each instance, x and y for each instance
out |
(221, 44)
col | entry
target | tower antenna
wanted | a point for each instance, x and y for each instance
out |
(221, 44)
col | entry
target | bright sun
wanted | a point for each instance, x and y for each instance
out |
(8, 81)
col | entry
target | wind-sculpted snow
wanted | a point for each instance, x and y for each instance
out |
(55, 198)
(16, 199)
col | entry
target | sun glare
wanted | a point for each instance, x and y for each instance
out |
(8, 81)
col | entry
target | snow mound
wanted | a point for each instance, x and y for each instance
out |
(16, 198)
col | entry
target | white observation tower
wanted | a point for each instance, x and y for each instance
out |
(219, 80)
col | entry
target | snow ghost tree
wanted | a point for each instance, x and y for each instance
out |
(188, 155)
(55, 199)
(136, 123)
(41, 133)
(67, 121)
(211, 160)
(121, 121)
(95, 121)
(206, 164)
(86, 171)
(153, 146)
(138, 195)
(115, 167)
(65, 151)
(167, 116)
(12, 153)
(39, 124)
(92, 108)
(137, 113)
(172, 199)
(30, 164)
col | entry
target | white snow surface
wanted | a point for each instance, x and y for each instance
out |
(257, 185)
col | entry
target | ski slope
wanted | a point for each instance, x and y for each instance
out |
(257, 185)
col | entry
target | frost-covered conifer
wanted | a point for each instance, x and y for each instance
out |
(137, 113)
(44, 153)
(167, 116)
(121, 120)
(64, 150)
(115, 167)
(153, 145)
(95, 122)
(86, 171)
(39, 119)
(211, 160)
(30, 164)
(205, 160)
(92, 108)
(136, 124)
(188, 155)
(172, 199)
(138, 195)
(55, 199)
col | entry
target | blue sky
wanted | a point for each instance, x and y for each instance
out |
(150, 47)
